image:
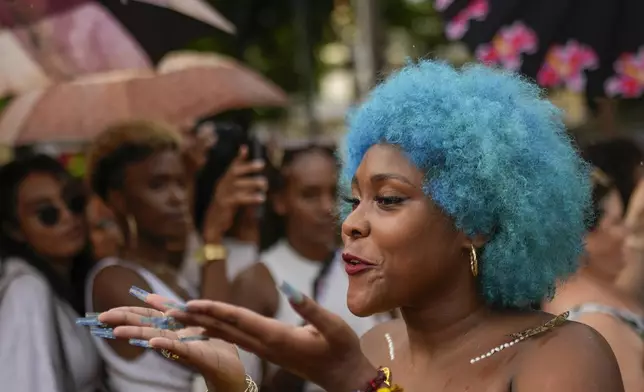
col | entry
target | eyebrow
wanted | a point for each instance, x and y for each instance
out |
(382, 177)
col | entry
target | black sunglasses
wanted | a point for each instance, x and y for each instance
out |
(49, 215)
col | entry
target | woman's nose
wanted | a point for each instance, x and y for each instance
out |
(356, 225)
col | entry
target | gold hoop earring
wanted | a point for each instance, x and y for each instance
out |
(132, 233)
(474, 262)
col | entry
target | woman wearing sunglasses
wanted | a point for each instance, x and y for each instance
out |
(44, 258)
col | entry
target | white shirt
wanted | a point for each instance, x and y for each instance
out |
(29, 350)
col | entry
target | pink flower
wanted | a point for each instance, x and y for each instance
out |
(567, 64)
(458, 26)
(441, 5)
(507, 47)
(628, 80)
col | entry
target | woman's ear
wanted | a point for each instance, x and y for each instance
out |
(477, 241)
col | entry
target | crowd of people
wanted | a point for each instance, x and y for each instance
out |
(474, 233)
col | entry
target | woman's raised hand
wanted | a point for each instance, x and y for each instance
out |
(241, 185)
(216, 360)
(326, 352)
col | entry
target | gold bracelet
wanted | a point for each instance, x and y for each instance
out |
(251, 386)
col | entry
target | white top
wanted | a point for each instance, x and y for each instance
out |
(150, 372)
(285, 264)
(29, 350)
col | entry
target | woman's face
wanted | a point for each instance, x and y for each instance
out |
(50, 217)
(309, 198)
(104, 232)
(413, 249)
(155, 195)
(604, 244)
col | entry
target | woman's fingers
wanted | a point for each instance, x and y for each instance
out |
(160, 303)
(330, 325)
(142, 333)
(222, 330)
(242, 169)
(251, 184)
(128, 316)
(176, 346)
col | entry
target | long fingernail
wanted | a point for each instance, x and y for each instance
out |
(174, 305)
(140, 343)
(139, 293)
(105, 333)
(89, 322)
(163, 322)
(92, 314)
(293, 294)
(193, 338)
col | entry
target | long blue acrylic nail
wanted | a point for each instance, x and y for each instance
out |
(105, 333)
(293, 294)
(194, 338)
(139, 293)
(140, 343)
(89, 322)
(163, 322)
(175, 305)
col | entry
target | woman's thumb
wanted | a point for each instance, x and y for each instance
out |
(328, 324)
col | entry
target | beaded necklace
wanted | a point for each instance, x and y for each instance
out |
(516, 338)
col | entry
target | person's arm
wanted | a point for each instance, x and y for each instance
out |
(631, 279)
(29, 357)
(626, 345)
(254, 289)
(110, 290)
(574, 358)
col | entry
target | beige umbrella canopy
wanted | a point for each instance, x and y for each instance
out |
(50, 41)
(197, 9)
(185, 87)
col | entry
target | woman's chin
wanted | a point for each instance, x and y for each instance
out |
(362, 306)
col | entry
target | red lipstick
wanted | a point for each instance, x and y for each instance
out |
(354, 265)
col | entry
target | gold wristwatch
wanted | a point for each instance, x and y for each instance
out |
(210, 253)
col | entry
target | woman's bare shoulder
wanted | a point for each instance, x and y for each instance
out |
(571, 358)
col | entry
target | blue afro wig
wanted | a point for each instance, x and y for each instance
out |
(497, 160)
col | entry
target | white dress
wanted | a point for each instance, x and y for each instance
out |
(30, 359)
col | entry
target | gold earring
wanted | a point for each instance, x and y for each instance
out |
(474, 262)
(132, 232)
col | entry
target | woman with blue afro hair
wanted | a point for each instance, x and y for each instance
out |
(465, 204)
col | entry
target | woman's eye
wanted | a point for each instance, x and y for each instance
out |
(353, 201)
(389, 201)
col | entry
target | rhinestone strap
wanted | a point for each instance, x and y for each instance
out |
(528, 333)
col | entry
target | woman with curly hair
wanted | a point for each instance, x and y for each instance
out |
(466, 204)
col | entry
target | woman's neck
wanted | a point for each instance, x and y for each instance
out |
(445, 322)
(148, 253)
(62, 267)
